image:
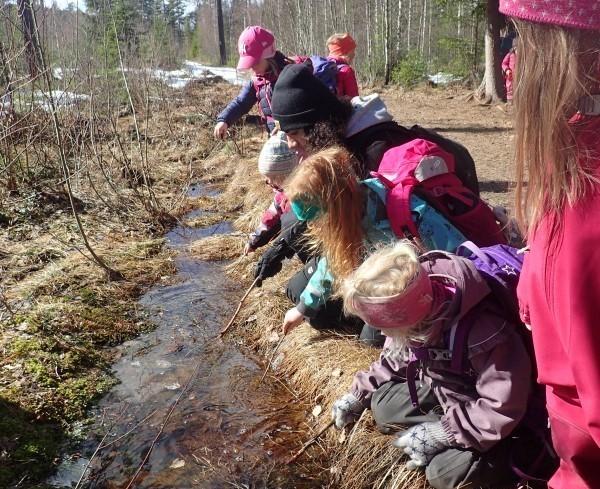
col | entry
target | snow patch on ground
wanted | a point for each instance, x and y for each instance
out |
(196, 71)
(441, 78)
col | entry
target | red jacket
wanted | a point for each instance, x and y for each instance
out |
(346, 78)
(559, 291)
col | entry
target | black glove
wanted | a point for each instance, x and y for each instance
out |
(269, 265)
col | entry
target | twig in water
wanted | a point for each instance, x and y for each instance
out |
(239, 307)
(164, 423)
(102, 447)
(310, 442)
(87, 466)
(271, 359)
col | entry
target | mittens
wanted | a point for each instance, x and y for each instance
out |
(268, 266)
(347, 409)
(422, 442)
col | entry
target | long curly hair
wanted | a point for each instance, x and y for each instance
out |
(328, 181)
(332, 131)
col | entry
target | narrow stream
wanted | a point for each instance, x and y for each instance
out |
(228, 428)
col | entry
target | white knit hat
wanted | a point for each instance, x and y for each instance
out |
(276, 159)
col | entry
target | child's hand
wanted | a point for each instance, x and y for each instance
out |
(293, 318)
(221, 130)
(422, 442)
(347, 409)
(247, 249)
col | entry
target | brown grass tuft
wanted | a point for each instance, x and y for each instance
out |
(220, 247)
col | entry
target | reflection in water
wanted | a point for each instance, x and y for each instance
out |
(227, 428)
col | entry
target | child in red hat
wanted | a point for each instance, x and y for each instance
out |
(342, 50)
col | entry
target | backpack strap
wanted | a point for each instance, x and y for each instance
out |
(398, 211)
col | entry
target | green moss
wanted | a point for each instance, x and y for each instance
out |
(26, 446)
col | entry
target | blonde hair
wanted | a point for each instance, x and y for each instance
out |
(556, 67)
(387, 271)
(328, 181)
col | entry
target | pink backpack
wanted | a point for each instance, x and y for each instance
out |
(424, 168)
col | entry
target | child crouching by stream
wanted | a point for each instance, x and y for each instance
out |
(464, 424)
(275, 162)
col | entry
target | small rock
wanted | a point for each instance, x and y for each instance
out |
(173, 387)
(336, 372)
(318, 409)
(342, 437)
(177, 463)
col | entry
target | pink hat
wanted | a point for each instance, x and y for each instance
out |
(581, 14)
(255, 43)
(403, 310)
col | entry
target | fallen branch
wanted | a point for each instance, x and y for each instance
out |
(239, 307)
(310, 442)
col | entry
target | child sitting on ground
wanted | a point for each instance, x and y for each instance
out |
(464, 424)
(342, 50)
(275, 162)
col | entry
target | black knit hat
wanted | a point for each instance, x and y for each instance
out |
(300, 99)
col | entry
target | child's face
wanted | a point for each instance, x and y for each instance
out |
(298, 141)
(261, 68)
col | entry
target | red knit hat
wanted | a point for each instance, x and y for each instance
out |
(580, 14)
(341, 45)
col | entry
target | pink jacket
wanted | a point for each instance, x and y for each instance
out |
(346, 78)
(270, 222)
(559, 292)
(508, 63)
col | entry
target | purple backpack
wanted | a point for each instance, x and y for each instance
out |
(500, 265)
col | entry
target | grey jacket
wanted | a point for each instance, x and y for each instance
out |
(485, 404)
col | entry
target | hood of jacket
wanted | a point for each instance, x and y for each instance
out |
(367, 112)
(460, 273)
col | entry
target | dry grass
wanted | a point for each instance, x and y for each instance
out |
(216, 248)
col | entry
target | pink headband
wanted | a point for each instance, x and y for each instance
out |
(402, 310)
(581, 14)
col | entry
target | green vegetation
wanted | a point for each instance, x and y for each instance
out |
(410, 70)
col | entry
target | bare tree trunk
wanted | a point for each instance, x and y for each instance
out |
(386, 39)
(398, 30)
(423, 27)
(429, 35)
(492, 88)
(222, 50)
(408, 27)
(31, 41)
